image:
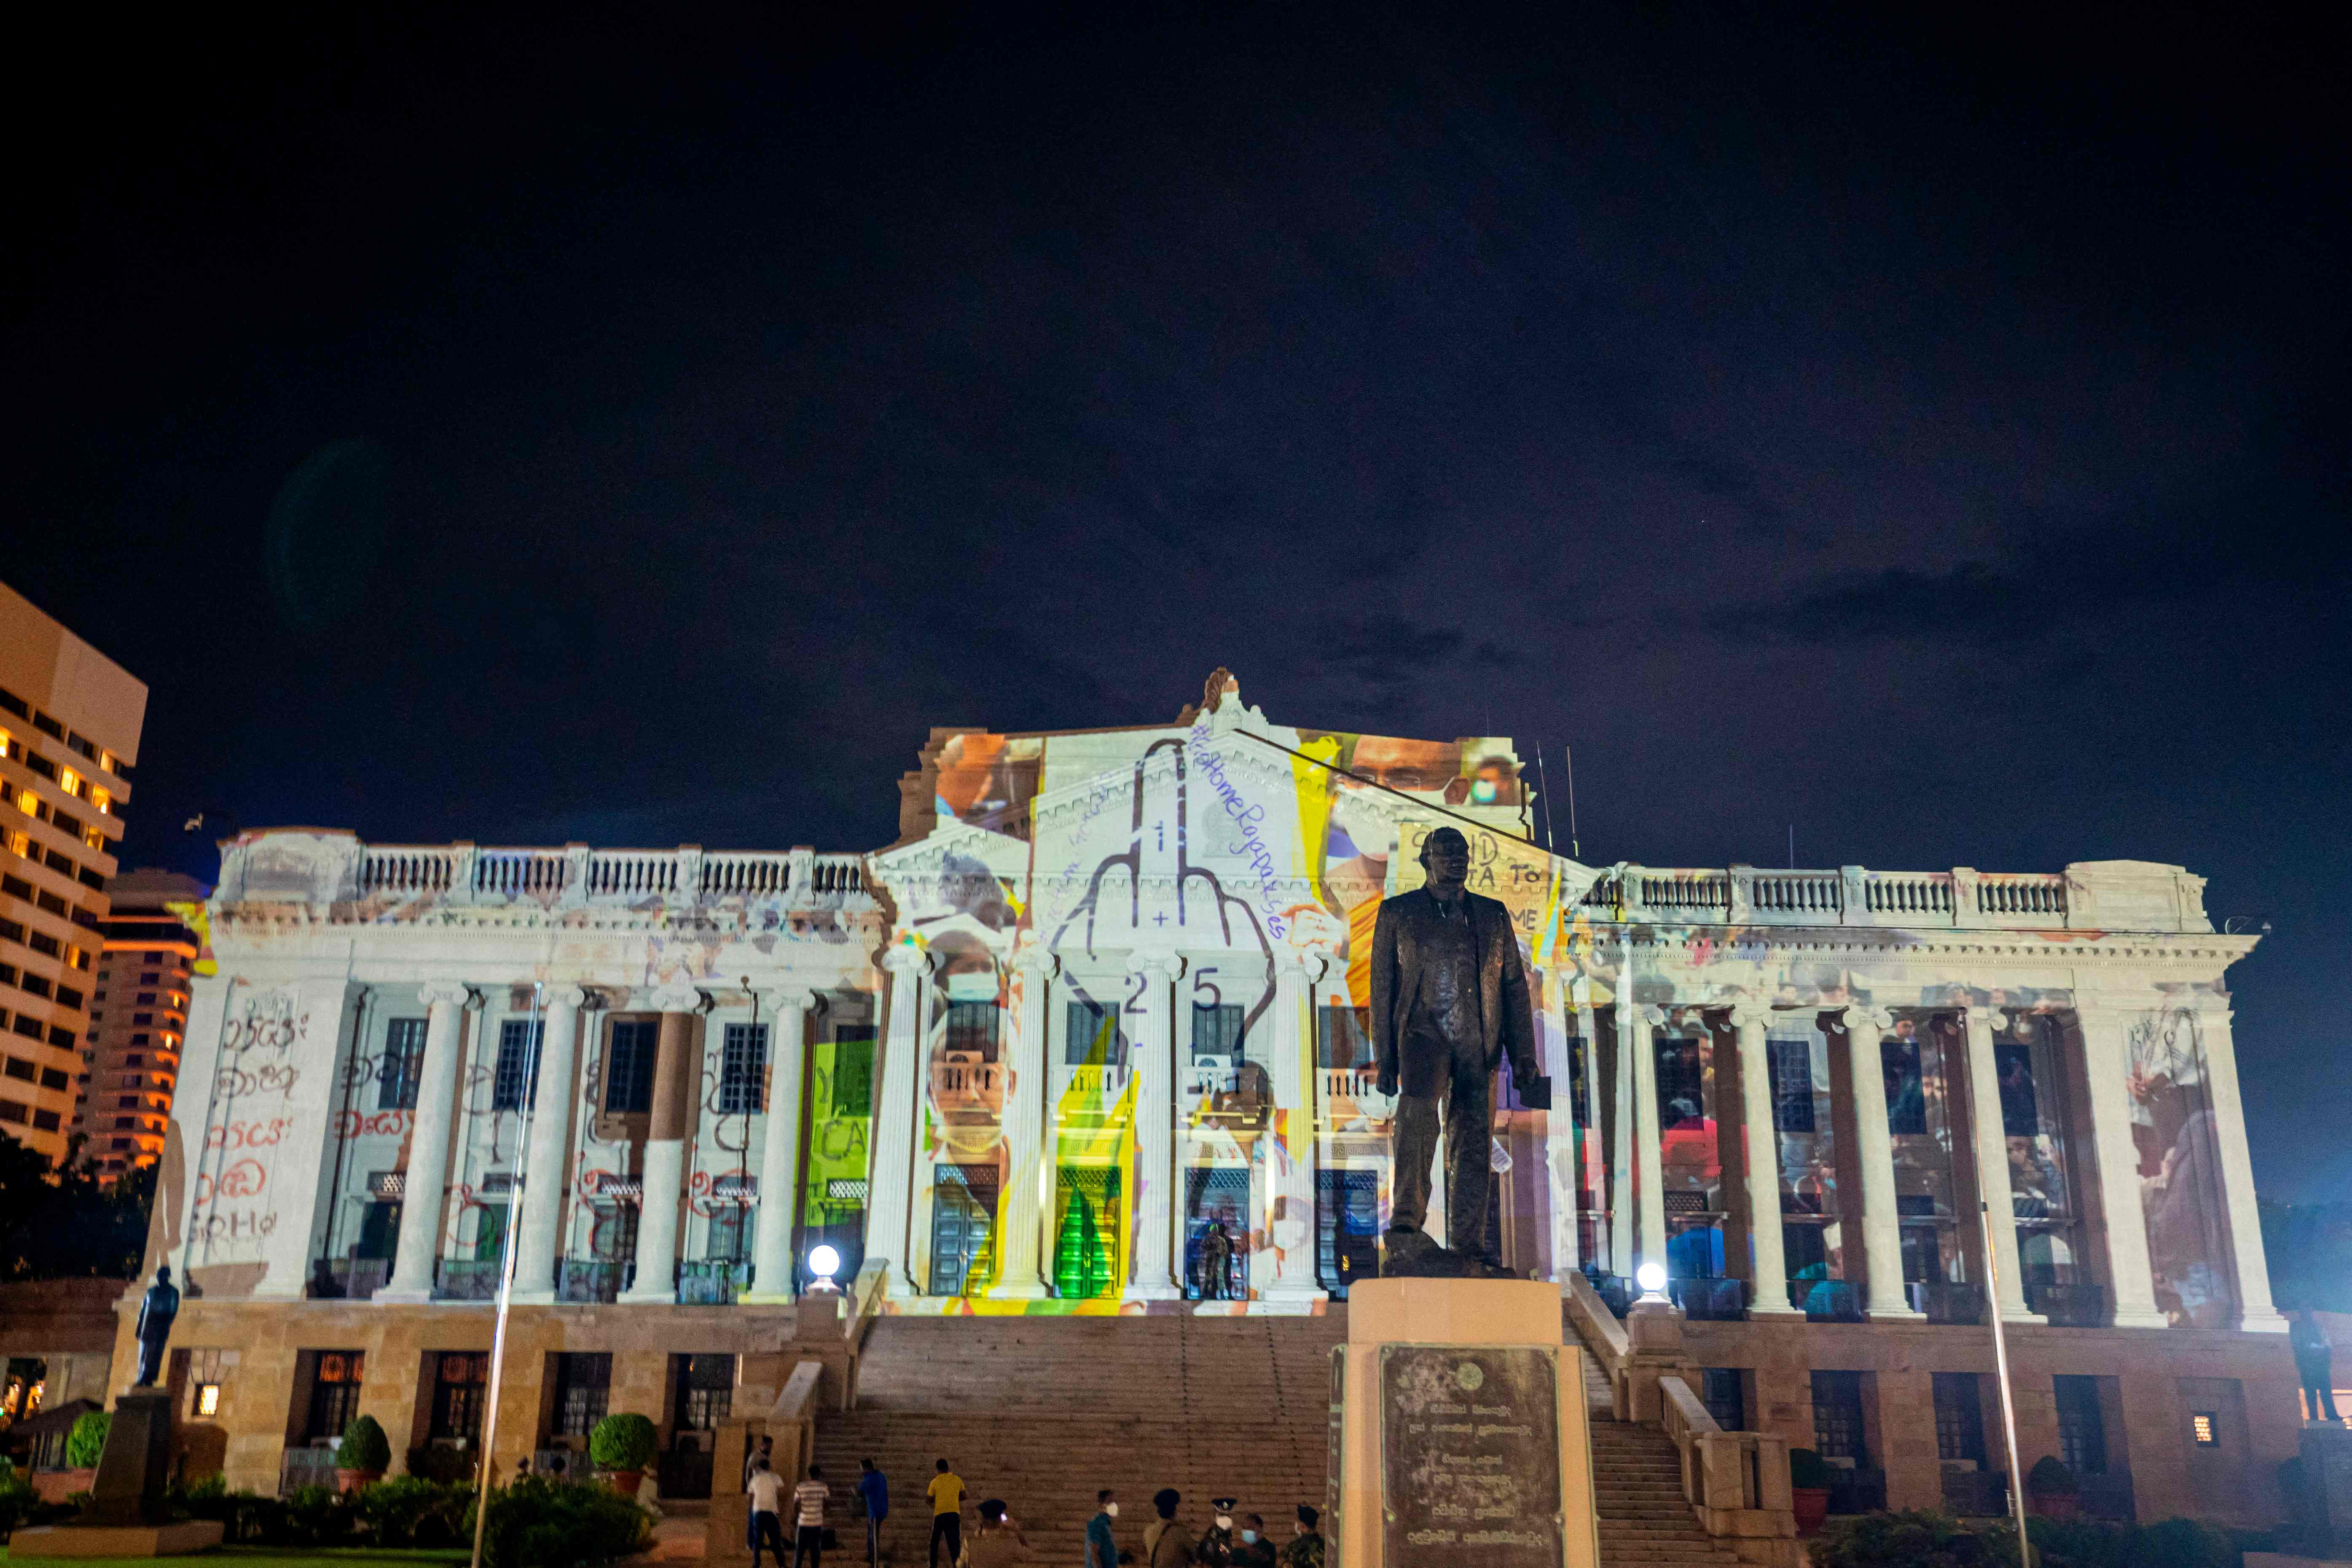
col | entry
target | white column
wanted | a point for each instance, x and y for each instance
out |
(662, 1180)
(2105, 1074)
(1624, 1211)
(1154, 1057)
(1992, 1147)
(1284, 1272)
(424, 1189)
(2256, 1312)
(889, 1201)
(1028, 1175)
(1559, 1121)
(1635, 1026)
(1881, 1228)
(779, 1149)
(1762, 1142)
(546, 1162)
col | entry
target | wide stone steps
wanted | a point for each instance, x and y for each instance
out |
(1041, 1412)
(1638, 1490)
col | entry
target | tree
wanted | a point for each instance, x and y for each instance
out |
(60, 1222)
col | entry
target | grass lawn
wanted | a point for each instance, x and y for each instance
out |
(261, 1556)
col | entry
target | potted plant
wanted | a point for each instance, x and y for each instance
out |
(364, 1455)
(622, 1445)
(2053, 1487)
(1809, 1488)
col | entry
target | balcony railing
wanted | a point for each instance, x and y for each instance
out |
(307, 1467)
(2070, 1306)
(1827, 1300)
(573, 875)
(592, 1279)
(1848, 896)
(348, 1278)
(468, 1280)
(712, 1282)
(1948, 1303)
(1709, 1299)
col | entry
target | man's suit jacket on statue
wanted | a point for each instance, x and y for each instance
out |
(1504, 1010)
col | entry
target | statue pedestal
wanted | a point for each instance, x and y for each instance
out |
(1458, 1430)
(127, 1516)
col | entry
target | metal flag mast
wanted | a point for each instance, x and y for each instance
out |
(507, 1263)
(1992, 1315)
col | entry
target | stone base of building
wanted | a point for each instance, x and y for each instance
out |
(174, 1540)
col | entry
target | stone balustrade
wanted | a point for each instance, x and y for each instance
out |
(2097, 896)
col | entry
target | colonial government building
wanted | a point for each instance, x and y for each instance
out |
(1099, 1012)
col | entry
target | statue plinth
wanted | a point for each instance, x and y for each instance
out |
(1459, 1433)
(127, 1516)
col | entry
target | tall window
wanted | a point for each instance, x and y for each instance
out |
(401, 1067)
(583, 1390)
(2082, 1426)
(334, 1393)
(1217, 1032)
(730, 1234)
(1093, 1036)
(743, 1070)
(1960, 1417)
(853, 1073)
(1791, 1065)
(1837, 1415)
(971, 1028)
(629, 1065)
(705, 1392)
(1345, 1040)
(515, 1084)
(461, 1381)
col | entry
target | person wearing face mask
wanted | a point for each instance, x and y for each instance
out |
(1306, 1548)
(1253, 1549)
(1102, 1546)
(1216, 1548)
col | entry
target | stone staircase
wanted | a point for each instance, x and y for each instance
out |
(1638, 1487)
(1043, 1411)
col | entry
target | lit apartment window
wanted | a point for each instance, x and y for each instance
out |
(94, 838)
(70, 781)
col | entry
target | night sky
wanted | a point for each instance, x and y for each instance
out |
(641, 430)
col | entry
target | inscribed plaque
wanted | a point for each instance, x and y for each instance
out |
(1470, 1456)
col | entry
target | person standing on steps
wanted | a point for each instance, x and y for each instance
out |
(947, 1514)
(1253, 1549)
(1216, 1546)
(998, 1545)
(1102, 1546)
(764, 1527)
(2314, 1365)
(874, 1502)
(809, 1498)
(752, 1460)
(1306, 1548)
(1166, 1543)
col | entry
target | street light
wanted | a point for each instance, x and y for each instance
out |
(824, 1263)
(1652, 1278)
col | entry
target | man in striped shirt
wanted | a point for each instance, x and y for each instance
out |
(809, 1498)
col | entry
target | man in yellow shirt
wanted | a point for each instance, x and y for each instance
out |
(947, 1514)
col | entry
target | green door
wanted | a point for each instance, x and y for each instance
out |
(1088, 1222)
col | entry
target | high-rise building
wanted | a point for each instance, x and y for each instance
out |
(138, 1017)
(69, 722)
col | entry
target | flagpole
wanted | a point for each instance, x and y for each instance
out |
(507, 1267)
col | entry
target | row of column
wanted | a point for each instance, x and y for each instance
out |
(1285, 1271)
(547, 1156)
(2106, 1063)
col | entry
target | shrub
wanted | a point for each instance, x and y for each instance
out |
(312, 1516)
(364, 1447)
(2050, 1477)
(623, 1442)
(1915, 1539)
(537, 1522)
(438, 1462)
(86, 1441)
(1808, 1470)
(410, 1510)
(16, 1497)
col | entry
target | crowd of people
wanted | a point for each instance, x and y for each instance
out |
(1229, 1541)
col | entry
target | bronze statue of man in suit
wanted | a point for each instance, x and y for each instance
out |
(1449, 1001)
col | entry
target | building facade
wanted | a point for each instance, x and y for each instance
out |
(138, 1017)
(70, 723)
(1090, 1038)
